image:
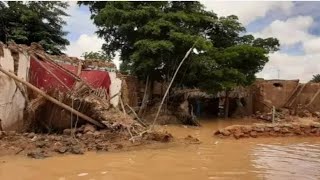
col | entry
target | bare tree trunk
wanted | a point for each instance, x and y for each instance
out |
(145, 97)
(226, 105)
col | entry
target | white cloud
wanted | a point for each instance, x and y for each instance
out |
(247, 11)
(82, 38)
(85, 43)
(312, 46)
(291, 67)
(289, 32)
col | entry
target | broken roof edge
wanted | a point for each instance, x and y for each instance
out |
(36, 48)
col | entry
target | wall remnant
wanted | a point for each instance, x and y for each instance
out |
(12, 95)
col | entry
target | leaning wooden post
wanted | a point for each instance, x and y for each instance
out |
(144, 99)
(273, 113)
(167, 91)
(52, 74)
(53, 100)
(135, 114)
(122, 105)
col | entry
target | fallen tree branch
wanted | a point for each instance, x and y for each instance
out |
(135, 114)
(53, 100)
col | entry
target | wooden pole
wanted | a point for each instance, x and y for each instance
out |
(52, 74)
(48, 59)
(291, 95)
(167, 91)
(122, 106)
(295, 97)
(79, 68)
(144, 99)
(135, 114)
(273, 113)
(53, 100)
(313, 98)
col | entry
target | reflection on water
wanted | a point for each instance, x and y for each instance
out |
(295, 161)
(261, 158)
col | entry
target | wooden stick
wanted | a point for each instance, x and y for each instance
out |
(53, 100)
(52, 74)
(122, 106)
(114, 96)
(291, 95)
(167, 91)
(295, 97)
(48, 59)
(79, 68)
(144, 99)
(313, 98)
(135, 114)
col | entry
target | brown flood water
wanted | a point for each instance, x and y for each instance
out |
(268, 158)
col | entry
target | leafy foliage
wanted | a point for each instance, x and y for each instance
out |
(153, 37)
(27, 22)
(97, 55)
(315, 78)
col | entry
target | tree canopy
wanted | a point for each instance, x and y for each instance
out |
(315, 78)
(27, 22)
(97, 55)
(153, 37)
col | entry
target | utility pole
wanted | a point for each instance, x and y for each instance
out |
(278, 70)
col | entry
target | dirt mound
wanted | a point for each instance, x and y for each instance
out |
(75, 141)
(270, 130)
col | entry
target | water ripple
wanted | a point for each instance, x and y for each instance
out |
(297, 161)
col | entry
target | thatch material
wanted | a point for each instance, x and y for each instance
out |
(191, 93)
(238, 92)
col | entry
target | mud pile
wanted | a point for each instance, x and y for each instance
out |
(73, 141)
(270, 130)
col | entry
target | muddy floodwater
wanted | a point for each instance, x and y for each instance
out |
(214, 158)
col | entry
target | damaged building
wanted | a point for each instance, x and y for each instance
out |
(81, 85)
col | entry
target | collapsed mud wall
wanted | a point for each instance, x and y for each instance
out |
(268, 93)
(115, 88)
(308, 98)
(132, 83)
(13, 96)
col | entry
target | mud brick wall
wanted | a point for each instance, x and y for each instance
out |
(272, 92)
(307, 94)
(133, 90)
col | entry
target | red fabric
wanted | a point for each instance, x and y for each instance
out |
(41, 78)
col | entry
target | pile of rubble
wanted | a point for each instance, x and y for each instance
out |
(270, 130)
(286, 115)
(59, 92)
(73, 141)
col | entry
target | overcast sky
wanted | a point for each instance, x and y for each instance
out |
(295, 24)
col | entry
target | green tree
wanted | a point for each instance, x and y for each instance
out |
(153, 37)
(315, 78)
(97, 55)
(27, 22)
